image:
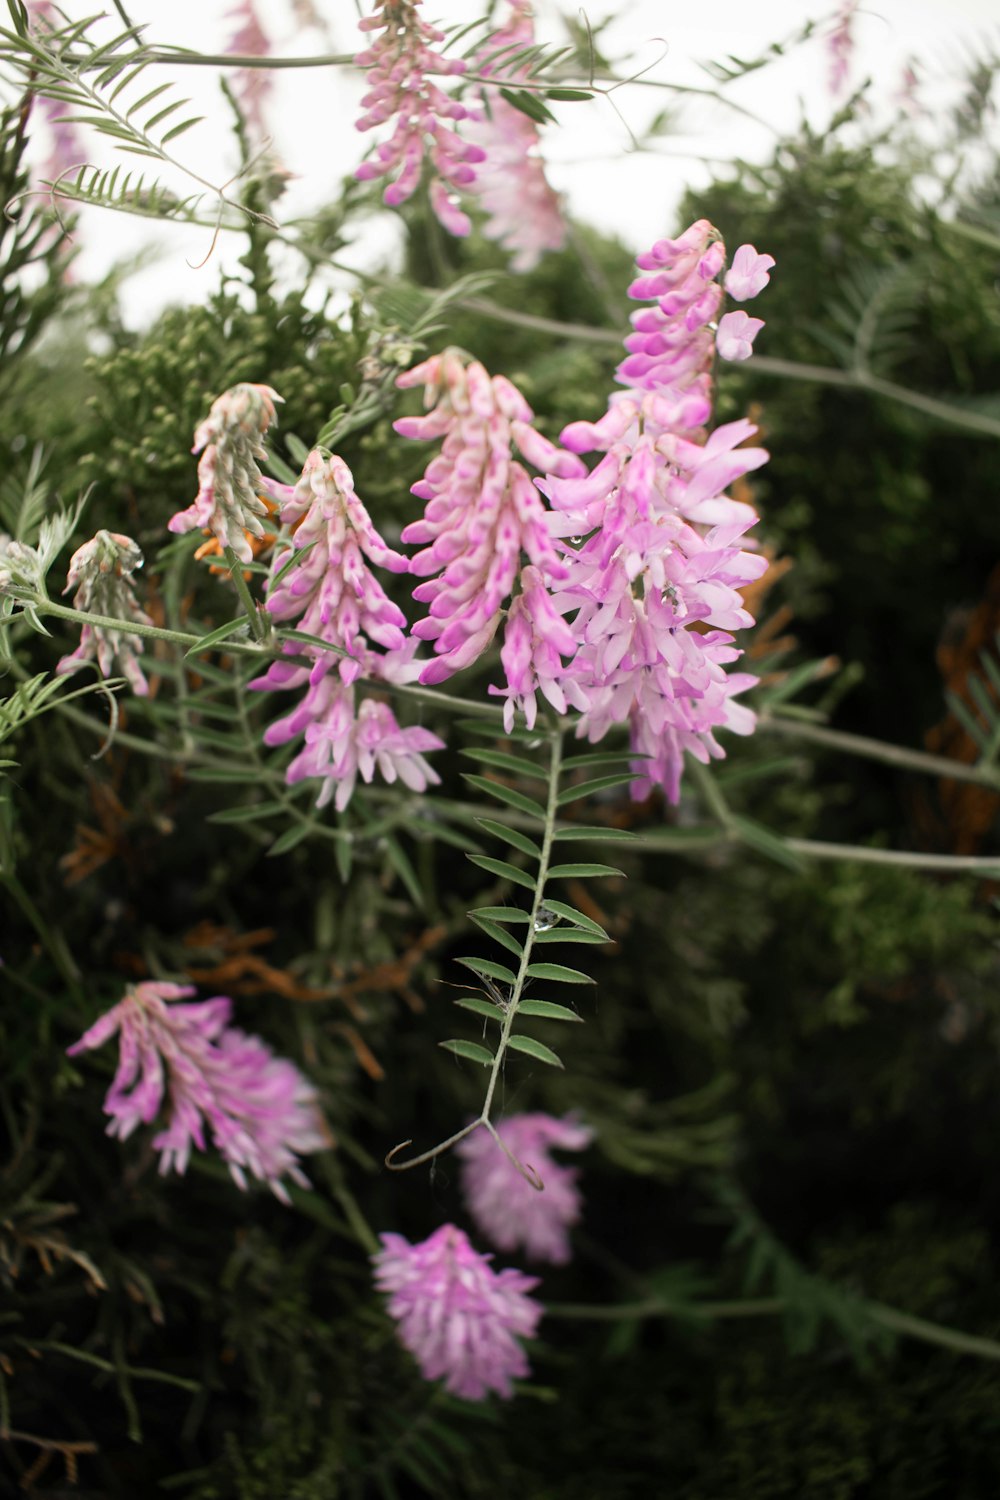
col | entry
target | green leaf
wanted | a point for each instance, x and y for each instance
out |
(557, 972)
(578, 832)
(215, 636)
(506, 794)
(400, 862)
(246, 814)
(310, 640)
(498, 934)
(471, 1050)
(599, 784)
(582, 872)
(481, 1007)
(514, 914)
(623, 758)
(528, 104)
(569, 935)
(343, 853)
(568, 96)
(573, 915)
(295, 555)
(512, 763)
(503, 869)
(289, 839)
(548, 1010)
(767, 843)
(537, 1050)
(510, 836)
(177, 130)
(490, 969)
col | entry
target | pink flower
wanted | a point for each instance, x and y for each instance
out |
(228, 501)
(748, 273)
(524, 212)
(655, 565)
(187, 1058)
(482, 513)
(101, 572)
(400, 65)
(504, 1205)
(251, 85)
(737, 331)
(840, 46)
(331, 592)
(459, 1318)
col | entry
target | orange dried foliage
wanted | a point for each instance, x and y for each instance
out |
(966, 812)
(94, 847)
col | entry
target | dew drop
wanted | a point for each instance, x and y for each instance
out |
(545, 919)
(576, 540)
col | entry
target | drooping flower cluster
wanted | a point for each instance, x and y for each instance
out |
(511, 185)
(505, 1206)
(400, 65)
(655, 582)
(460, 1319)
(331, 592)
(250, 85)
(187, 1059)
(229, 502)
(840, 46)
(101, 572)
(483, 511)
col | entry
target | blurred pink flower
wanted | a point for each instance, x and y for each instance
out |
(251, 86)
(506, 1208)
(262, 1112)
(101, 572)
(460, 1319)
(511, 185)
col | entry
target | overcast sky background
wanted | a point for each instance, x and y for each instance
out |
(311, 112)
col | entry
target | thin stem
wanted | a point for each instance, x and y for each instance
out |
(760, 1307)
(544, 860)
(892, 755)
(949, 864)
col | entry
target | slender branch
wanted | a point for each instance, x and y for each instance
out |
(948, 864)
(888, 1317)
(764, 364)
(892, 755)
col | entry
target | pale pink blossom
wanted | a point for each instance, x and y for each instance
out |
(400, 65)
(524, 212)
(460, 1319)
(506, 1208)
(187, 1061)
(840, 46)
(228, 502)
(748, 274)
(331, 592)
(101, 572)
(735, 336)
(252, 86)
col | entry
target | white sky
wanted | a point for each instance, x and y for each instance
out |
(605, 182)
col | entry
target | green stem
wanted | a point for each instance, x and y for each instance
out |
(891, 755)
(902, 1323)
(764, 364)
(544, 860)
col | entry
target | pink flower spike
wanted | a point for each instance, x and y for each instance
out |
(748, 273)
(735, 336)
(506, 1208)
(460, 1319)
(101, 572)
(187, 1058)
(228, 502)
